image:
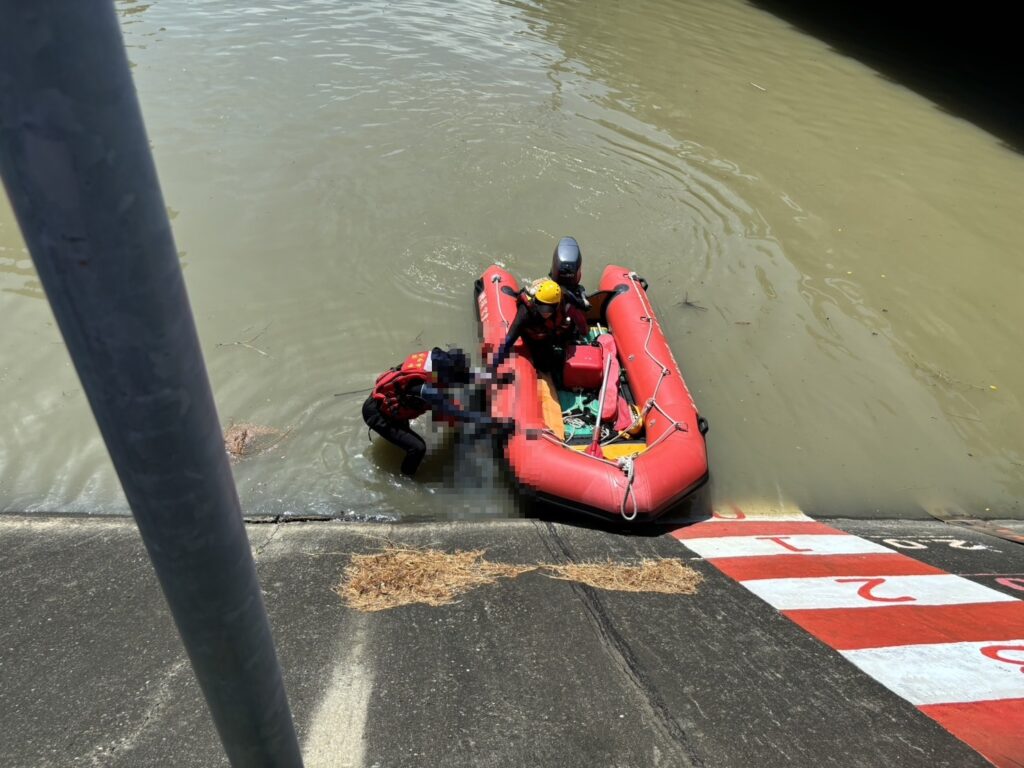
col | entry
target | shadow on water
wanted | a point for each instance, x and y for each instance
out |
(965, 60)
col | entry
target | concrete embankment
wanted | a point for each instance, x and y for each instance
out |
(531, 670)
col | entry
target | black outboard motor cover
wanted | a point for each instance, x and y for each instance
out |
(567, 263)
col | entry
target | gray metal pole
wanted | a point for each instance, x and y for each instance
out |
(77, 168)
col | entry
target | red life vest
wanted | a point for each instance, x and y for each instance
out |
(391, 388)
(538, 328)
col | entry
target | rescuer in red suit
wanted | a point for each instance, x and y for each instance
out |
(424, 382)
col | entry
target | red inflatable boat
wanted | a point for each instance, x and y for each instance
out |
(622, 436)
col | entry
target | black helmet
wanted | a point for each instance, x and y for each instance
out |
(567, 263)
(452, 367)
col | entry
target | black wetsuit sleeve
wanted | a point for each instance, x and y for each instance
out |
(515, 330)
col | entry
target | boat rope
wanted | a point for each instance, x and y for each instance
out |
(574, 423)
(627, 465)
(652, 401)
(501, 312)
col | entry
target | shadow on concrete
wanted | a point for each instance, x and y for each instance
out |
(966, 59)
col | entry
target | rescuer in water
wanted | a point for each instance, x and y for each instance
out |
(424, 382)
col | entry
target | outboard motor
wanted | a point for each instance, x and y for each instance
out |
(567, 263)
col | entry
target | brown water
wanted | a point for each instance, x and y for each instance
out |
(339, 173)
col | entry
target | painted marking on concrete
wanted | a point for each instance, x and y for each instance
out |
(922, 543)
(1012, 583)
(336, 734)
(757, 512)
(754, 546)
(799, 566)
(1007, 654)
(951, 646)
(871, 592)
(993, 728)
(853, 628)
(946, 673)
(720, 528)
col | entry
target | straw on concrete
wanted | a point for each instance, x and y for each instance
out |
(397, 577)
(666, 576)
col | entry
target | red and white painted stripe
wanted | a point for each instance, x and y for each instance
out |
(872, 591)
(950, 646)
(947, 673)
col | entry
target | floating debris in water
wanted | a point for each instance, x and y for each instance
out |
(243, 441)
(248, 344)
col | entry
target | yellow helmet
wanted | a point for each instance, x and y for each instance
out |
(546, 291)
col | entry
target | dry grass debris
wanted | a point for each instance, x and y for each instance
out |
(242, 441)
(665, 576)
(397, 577)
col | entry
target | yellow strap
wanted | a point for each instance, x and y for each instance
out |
(550, 406)
(616, 450)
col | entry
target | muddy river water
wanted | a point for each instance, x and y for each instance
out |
(836, 262)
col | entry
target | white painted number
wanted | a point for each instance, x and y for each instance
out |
(953, 543)
(904, 544)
